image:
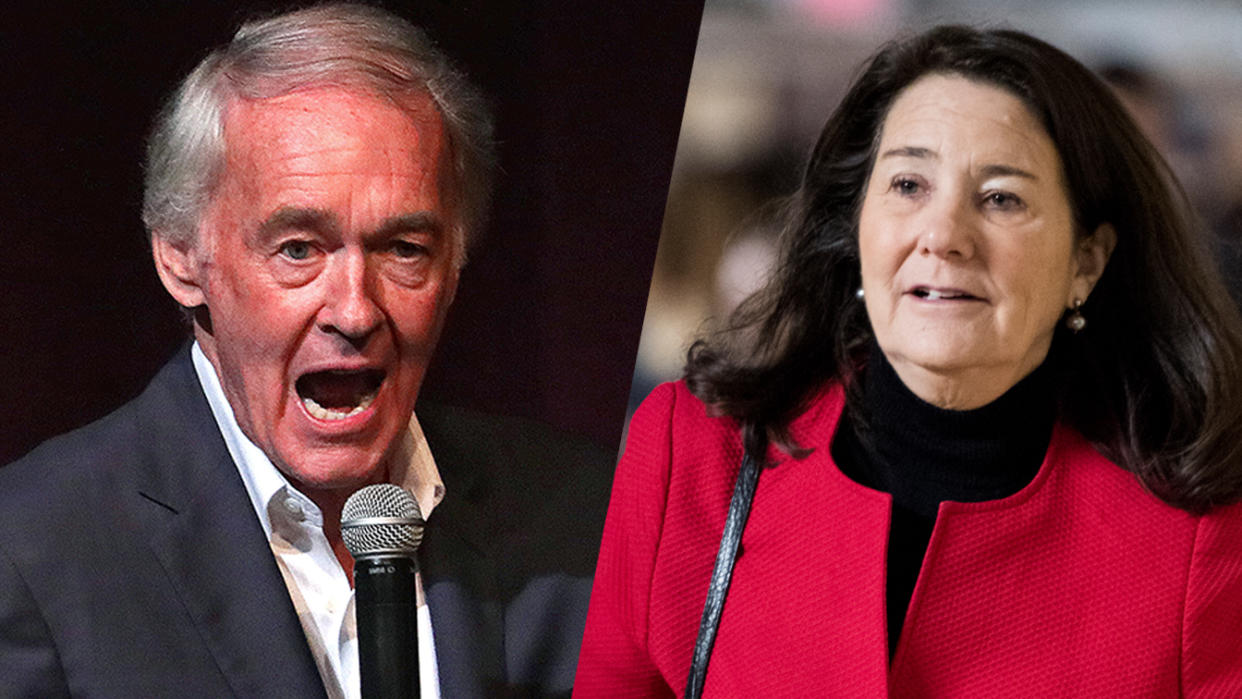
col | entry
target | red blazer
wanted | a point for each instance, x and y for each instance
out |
(1080, 585)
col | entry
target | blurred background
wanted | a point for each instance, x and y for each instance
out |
(768, 73)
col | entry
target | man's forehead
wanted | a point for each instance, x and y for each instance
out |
(321, 147)
(315, 119)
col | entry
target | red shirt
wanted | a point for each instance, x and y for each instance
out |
(1080, 585)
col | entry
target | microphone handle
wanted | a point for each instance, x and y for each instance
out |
(386, 609)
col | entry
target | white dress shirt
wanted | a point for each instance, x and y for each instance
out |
(319, 588)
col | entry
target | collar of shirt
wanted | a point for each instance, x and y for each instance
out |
(317, 586)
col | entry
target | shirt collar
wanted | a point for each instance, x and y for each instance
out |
(413, 467)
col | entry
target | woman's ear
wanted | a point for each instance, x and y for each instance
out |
(180, 268)
(1091, 255)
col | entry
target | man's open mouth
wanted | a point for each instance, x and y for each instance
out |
(338, 394)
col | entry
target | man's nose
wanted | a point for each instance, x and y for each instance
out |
(351, 308)
(948, 229)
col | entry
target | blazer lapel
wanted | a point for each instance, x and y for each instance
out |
(466, 614)
(459, 571)
(204, 532)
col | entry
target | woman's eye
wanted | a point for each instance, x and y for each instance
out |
(295, 249)
(906, 186)
(1002, 200)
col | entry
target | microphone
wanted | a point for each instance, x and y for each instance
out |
(382, 527)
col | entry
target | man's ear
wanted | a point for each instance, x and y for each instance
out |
(180, 268)
(1091, 255)
(453, 280)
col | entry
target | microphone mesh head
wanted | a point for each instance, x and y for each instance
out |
(400, 531)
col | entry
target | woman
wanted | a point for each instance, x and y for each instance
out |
(996, 395)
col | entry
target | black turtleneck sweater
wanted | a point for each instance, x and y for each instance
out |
(923, 455)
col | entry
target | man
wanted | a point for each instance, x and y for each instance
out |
(311, 191)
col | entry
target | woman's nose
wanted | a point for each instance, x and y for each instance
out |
(948, 229)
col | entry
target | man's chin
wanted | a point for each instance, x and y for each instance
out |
(341, 470)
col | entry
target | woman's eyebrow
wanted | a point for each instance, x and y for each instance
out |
(911, 152)
(1006, 170)
(991, 170)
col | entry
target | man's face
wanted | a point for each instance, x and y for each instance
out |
(326, 261)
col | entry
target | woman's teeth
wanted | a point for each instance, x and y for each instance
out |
(933, 295)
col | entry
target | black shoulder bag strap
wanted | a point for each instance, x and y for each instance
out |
(739, 509)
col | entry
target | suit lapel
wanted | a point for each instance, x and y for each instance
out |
(466, 614)
(204, 532)
(459, 570)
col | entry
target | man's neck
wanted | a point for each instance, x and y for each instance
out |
(331, 502)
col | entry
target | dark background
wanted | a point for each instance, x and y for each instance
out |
(588, 100)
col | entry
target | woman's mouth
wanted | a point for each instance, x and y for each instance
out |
(943, 294)
(338, 394)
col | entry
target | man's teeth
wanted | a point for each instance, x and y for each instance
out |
(317, 410)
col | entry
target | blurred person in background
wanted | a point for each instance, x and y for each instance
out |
(990, 398)
(1194, 155)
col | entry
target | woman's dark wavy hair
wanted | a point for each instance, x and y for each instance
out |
(1155, 381)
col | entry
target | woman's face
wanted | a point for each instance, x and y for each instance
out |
(967, 242)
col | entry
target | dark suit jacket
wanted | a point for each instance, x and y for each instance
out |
(132, 563)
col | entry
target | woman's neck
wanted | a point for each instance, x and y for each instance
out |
(924, 454)
(963, 388)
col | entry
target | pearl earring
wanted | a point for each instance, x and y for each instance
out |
(1075, 320)
(859, 294)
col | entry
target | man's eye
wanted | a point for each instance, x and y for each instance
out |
(407, 249)
(295, 249)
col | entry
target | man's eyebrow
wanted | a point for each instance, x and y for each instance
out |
(299, 218)
(418, 222)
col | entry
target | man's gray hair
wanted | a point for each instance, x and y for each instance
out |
(334, 45)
